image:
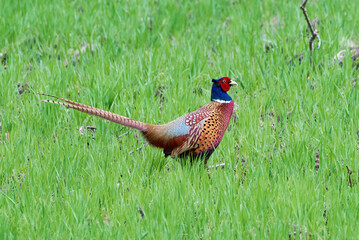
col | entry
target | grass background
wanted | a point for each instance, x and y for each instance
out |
(117, 56)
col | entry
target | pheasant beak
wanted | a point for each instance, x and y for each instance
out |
(232, 83)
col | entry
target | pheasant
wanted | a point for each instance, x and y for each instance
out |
(194, 135)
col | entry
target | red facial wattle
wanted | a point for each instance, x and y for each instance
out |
(225, 86)
(224, 82)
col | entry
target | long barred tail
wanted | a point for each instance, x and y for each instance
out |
(128, 122)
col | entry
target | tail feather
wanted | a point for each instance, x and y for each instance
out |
(68, 101)
(128, 122)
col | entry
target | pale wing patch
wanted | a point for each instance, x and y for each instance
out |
(178, 128)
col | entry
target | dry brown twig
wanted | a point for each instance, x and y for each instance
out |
(312, 29)
(351, 184)
(139, 148)
(91, 129)
(317, 161)
(217, 165)
(126, 133)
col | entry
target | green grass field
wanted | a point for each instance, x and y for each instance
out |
(154, 61)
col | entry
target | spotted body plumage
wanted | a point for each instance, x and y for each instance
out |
(214, 128)
(195, 135)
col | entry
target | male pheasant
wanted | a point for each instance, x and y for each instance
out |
(194, 135)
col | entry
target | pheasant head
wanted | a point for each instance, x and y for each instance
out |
(220, 88)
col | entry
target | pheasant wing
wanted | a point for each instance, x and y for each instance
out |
(195, 120)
